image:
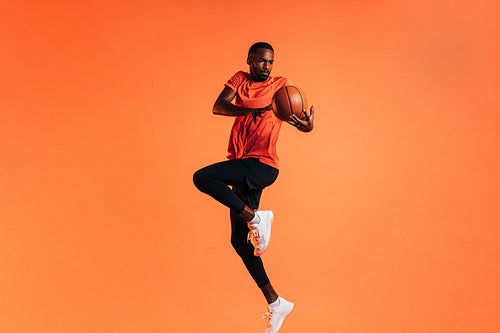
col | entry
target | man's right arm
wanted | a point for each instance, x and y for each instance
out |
(224, 107)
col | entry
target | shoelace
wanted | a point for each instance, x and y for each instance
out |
(267, 318)
(255, 233)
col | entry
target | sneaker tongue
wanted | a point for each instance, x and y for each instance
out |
(275, 304)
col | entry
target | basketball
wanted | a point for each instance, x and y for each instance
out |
(289, 100)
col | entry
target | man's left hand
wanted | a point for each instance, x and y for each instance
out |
(305, 125)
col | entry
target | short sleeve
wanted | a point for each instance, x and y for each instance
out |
(235, 81)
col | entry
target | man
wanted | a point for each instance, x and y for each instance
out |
(253, 165)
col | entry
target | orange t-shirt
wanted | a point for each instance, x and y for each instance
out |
(249, 139)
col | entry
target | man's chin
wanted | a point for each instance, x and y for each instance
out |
(263, 77)
(259, 77)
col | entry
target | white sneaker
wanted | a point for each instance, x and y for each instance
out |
(276, 315)
(260, 233)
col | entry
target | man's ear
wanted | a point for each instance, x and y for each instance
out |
(248, 60)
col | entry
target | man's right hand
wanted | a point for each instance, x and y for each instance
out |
(258, 112)
(224, 107)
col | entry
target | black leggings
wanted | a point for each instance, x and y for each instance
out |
(248, 177)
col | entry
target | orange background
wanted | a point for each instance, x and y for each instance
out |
(387, 215)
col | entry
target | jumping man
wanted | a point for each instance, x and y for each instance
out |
(252, 165)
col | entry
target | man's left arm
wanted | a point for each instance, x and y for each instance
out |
(305, 125)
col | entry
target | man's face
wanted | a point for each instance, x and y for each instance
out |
(261, 63)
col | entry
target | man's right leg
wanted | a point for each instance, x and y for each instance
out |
(214, 180)
(250, 175)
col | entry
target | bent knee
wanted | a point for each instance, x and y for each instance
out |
(200, 179)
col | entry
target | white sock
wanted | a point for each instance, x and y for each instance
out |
(275, 303)
(256, 219)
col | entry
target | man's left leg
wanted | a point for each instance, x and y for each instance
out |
(239, 240)
(278, 307)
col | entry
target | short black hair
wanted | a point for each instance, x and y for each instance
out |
(260, 45)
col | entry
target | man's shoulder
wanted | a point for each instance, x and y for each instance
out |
(237, 79)
(242, 75)
(279, 78)
(278, 81)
